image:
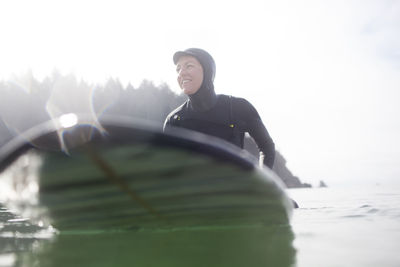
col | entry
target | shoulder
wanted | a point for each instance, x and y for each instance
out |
(243, 107)
(241, 103)
(179, 110)
(234, 100)
(237, 101)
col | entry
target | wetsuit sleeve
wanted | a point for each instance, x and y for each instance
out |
(256, 129)
(264, 142)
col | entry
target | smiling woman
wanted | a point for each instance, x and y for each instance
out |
(225, 117)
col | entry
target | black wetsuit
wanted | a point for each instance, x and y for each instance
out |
(223, 116)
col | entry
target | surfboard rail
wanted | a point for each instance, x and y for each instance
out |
(127, 174)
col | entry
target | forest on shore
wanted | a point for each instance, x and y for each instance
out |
(26, 102)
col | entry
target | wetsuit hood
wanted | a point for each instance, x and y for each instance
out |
(205, 98)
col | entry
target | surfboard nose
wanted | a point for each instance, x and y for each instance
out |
(129, 175)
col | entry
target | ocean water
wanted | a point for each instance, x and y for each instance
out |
(347, 226)
(333, 227)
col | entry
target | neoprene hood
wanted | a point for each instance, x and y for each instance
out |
(205, 59)
(205, 97)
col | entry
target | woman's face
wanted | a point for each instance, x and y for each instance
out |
(190, 74)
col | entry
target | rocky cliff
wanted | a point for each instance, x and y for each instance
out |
(279, 167)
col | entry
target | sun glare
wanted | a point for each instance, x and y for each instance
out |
(68, 120)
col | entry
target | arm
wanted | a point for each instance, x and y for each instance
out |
(255, 127)
(264, 142)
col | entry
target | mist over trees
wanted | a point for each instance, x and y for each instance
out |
(26, 102)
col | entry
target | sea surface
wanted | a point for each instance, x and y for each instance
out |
(347, 227)
(333, 227)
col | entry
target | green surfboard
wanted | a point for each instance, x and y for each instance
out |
(127, 175)
(122, 193)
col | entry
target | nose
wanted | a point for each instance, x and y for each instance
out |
(182, 72)
(180, 75)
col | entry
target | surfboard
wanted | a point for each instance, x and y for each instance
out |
(122, 174)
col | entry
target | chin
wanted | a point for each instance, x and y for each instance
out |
(188, 92)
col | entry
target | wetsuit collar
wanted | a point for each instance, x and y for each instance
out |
(204, 99)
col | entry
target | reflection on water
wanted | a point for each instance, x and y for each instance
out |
(332, 228)
(23, 244)
(18, 235)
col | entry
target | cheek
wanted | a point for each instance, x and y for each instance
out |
(200, 80)
(178, 80)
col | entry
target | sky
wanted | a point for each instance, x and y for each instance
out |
(324, 75)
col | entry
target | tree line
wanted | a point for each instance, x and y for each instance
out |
(26, 102)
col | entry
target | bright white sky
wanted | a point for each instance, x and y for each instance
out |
(324, 75)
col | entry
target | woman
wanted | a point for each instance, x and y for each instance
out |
(222, 116)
